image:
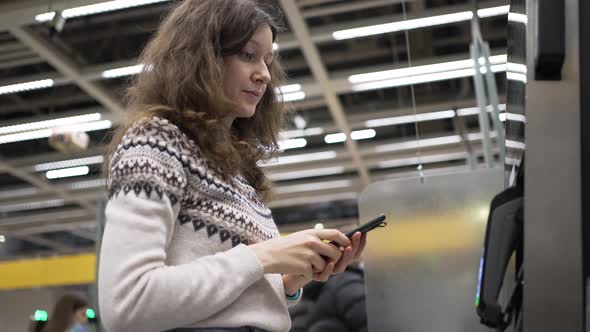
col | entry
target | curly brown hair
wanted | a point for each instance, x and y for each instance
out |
(182, 81)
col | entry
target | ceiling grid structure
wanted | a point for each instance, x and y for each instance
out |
(353, 122)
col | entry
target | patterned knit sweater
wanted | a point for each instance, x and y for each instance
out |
(175, 247)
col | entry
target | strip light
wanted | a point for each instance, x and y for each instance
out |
(292, 143)
(306, 173)
(335, 138)
(98, 8)
(301, 132)
(27, 86)
(68, 163)
(362, 134)
(493, 11)
(44, 133)
(422, 160)
(417, 23)
(31, 206)
(513, 117)
(123, 71)
(423, 78)
(421, 70)
(284, 160)
(87, 184)
(518, 18)
(313, 186)
(415, 144)
(67, 172)
(410, 118)
(515, 144)
(402, 25)
(293, 96)
(50, 123)
(290, 88)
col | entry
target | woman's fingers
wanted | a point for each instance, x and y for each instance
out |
(317, 262)
(362, 245)
(329, 252)
(333, 235)
(344, 260)
(325, 275)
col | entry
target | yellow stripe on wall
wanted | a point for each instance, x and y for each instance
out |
(45, 272)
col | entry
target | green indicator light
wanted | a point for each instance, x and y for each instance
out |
(90, 313)
(477, 301)
(40, 315)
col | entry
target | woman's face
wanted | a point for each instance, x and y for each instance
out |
(80, 316)
(246, 74)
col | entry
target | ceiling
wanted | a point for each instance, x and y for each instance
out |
(317, 181)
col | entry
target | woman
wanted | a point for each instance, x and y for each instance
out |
(189, 242)
(69, 315)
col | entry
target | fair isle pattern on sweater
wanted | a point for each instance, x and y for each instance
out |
(156, 158)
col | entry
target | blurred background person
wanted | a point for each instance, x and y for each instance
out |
(69, 315)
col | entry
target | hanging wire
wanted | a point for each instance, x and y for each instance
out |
(420, 167)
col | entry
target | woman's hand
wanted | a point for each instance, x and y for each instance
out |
(302, 253)
(352, 252)
(294, 282)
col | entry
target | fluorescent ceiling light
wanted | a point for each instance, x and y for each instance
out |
(516, 77)
(286, 97)
(428, 142)
(50, 123)
(31, 206)
(421, 70)
(516, 67)
(67, 172)
(290, 88)
(98, 8)
(21, 192)
(87, 184)
(410, 118)
(306, 173)
(335, 138)
(26, 136)
(422, 78)
(515, 144)
(284, 160)
(124, 71)
(402, 25)
(301, 132)
(275, 47)
(292, 143)
(68, 163)
(20, 87)
(475, 110)
(422, 160)
(313, 186)
(90, 126)
(513, 117)
(362, 134)
(493, 11)
(417, 23)
(518, 18)
(44, 133)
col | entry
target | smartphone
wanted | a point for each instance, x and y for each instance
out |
(379, 221)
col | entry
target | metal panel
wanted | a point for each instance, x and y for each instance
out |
(553, 292)
(421, 270)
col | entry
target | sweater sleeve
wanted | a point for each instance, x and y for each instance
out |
(137, 290)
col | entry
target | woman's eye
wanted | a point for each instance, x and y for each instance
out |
(247, 55)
